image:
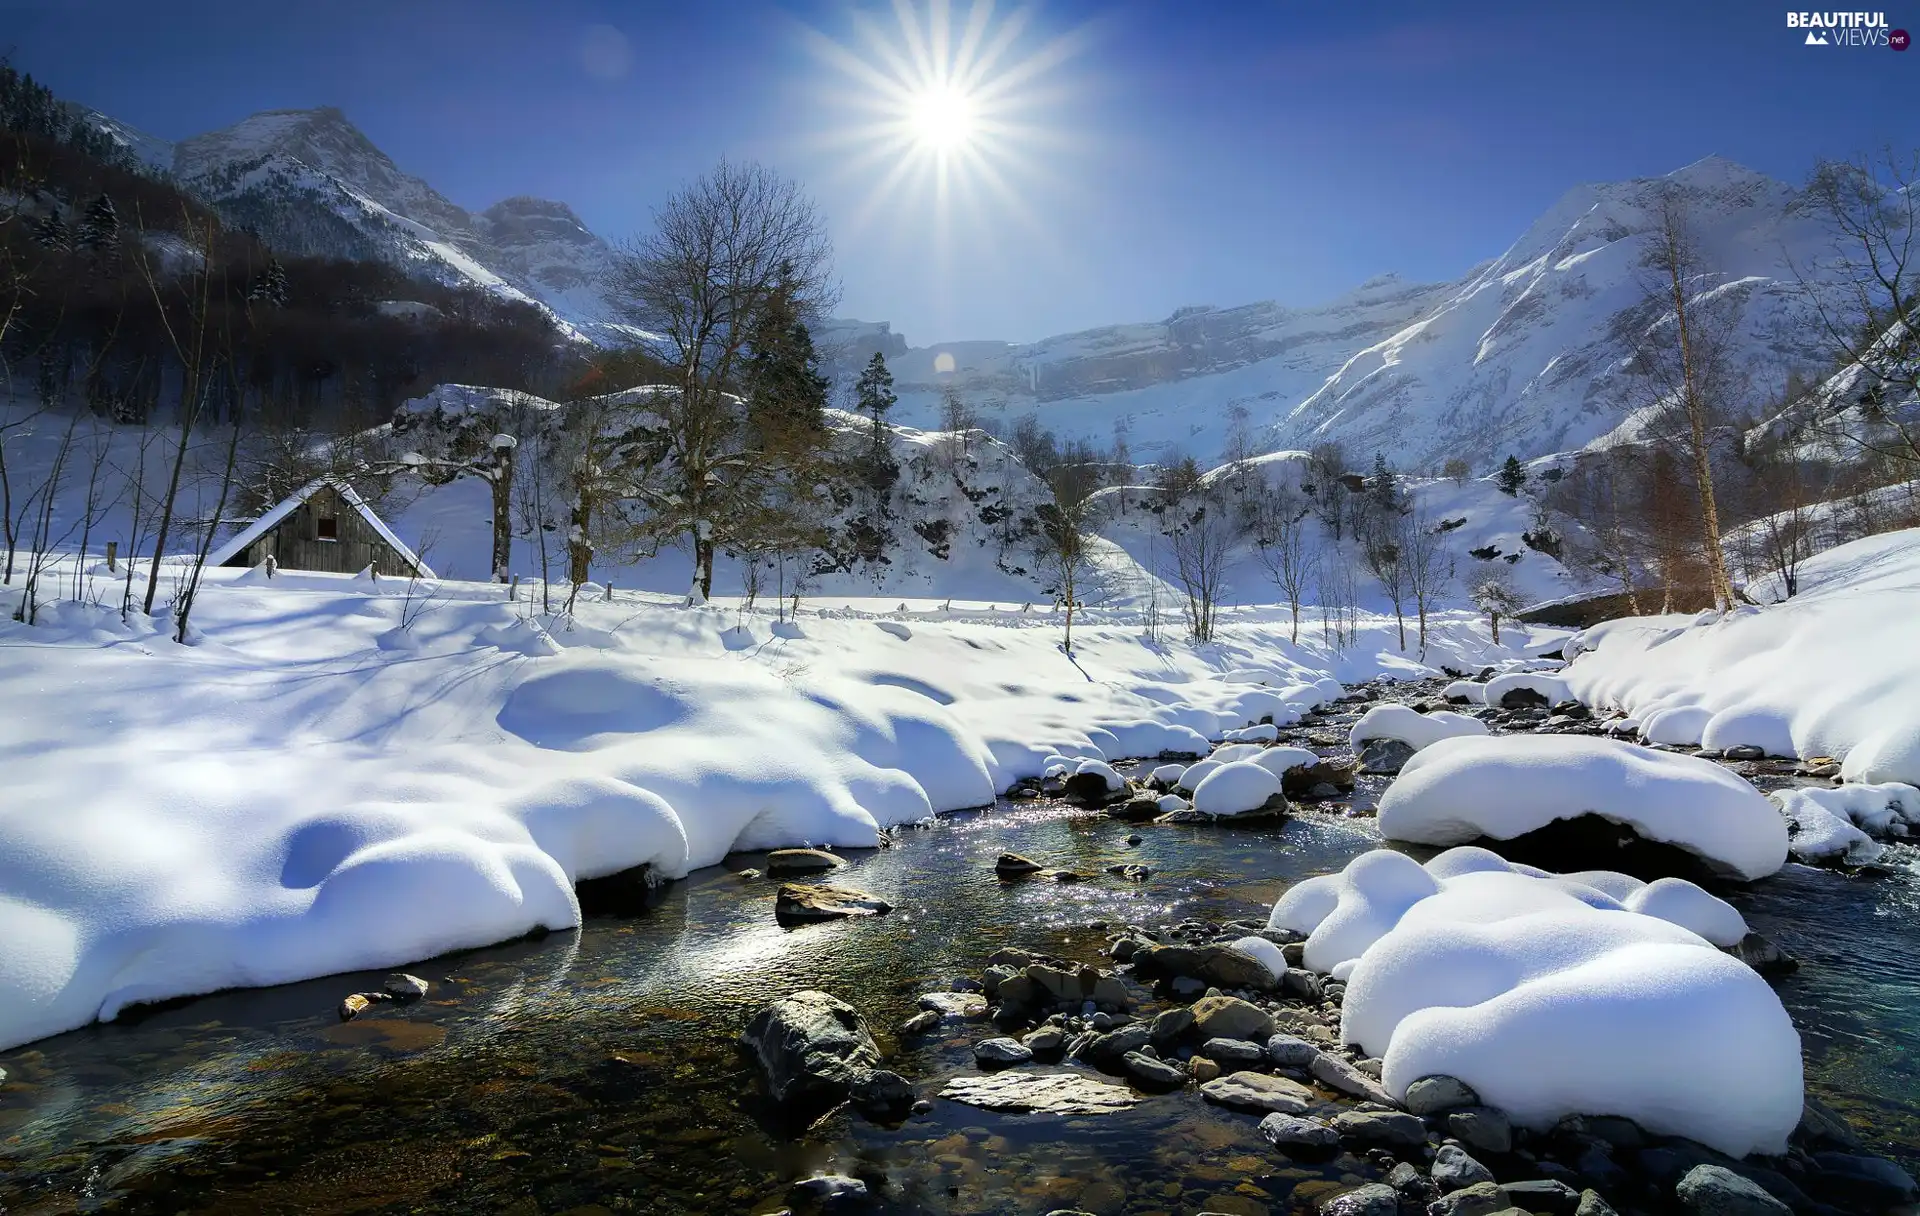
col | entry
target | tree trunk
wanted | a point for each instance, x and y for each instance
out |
(1294, 637)
(703, 564)
(502, 513)
(579, 549)
(1495, 618)
(1702, 461)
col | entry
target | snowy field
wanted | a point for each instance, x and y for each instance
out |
(1829, 672)
(342, 774)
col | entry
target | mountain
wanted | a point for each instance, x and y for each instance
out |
(1524, 354)
(310, 182)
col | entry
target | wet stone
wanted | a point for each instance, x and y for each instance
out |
(404, 988)
(960, 1006)
(1258, 1091)
(801, 861)
(999, 1053)
(1041, 1093)
(802, 903)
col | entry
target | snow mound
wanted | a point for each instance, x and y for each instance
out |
(1281, 760)
(1828, 672)
(1553, 688)
(1842, 823)
(1417, 730)
(1463, 789)
(1551, 996)
(1466, 690)
(1238, 788)
(1104, 771)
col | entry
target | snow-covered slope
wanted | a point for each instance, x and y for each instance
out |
(1522, 355)
(311, 182)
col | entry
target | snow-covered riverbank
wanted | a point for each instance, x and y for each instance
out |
(345, 774)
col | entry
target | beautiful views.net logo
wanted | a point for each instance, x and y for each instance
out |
(1848, 29)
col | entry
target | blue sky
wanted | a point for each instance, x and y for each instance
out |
(1171, 154)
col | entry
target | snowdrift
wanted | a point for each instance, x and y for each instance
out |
(1462, 789)
(344, 774)
(1552, 996)
(1830, 672)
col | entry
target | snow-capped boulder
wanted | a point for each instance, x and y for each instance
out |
(1194, 774)
(1415, 729)
(1548, 995)
(1465, 692)
(1282, 760)
(1842, 824)
(1265, 732)
(1239, 788)
(1500, 787)
(1676, 725)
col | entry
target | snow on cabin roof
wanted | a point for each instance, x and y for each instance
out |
(266, 523)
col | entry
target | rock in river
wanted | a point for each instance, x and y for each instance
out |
(1066, 1093)
(1229, 1017)
(1012, 865)
(802, 902)
(811, 1046)
(801, 861)
(1258, 1091)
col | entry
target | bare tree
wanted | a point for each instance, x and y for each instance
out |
(1200, 529)
(1063, 525)
(1383, 547)
(1598, 493)
(1429, 565)
(1494, 594)
(1339, 599)
(1684, 361)
(721, 251)
(1327, 469)
(1281, 543)
(1867, 301)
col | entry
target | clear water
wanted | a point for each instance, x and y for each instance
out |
(596, 1071)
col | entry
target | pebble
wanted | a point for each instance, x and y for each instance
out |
(1001, 1052)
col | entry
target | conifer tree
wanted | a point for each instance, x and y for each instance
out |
(269, 286)
(100, 227)
(1512, 476)
(52, 232)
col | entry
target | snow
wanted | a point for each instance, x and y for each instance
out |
(1829, 672)
(1550, 996)
(319, 785)
(1103, 770)
(1235, 789)
(1417, 730)
(1466, 690)
(1552, 688)
(1844, 823)
(1500, 787)
(1281, 760)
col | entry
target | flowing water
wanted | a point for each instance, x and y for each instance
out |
(595, 1071)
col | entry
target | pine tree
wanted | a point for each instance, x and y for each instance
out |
(269, 287)
(786, 394)
(873, 396)
(52, 232)
(100, 227)
(874, 390)
(1512, 476)
(1386, 486)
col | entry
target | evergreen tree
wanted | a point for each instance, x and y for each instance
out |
(269, 286)
(52, 232)
(874, 390)
(1386, 485)
(1512, 476)
(786, 394)
(100, 227)
(873, 396)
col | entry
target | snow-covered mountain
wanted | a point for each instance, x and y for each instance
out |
(1524, 354)
(311, 182)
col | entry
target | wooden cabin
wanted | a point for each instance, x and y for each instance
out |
(326, 526)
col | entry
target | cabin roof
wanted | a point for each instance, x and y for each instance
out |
(271, 520)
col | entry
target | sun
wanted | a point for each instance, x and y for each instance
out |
(942, 118)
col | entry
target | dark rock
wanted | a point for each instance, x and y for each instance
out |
(1306, 1139)
(1153, 1072)
(1546, 1195)
(1522, 698)
(1480, 1199)
(1822, 1125)
(1300, 782)
(1745, 751)
(1238, 1052)
(1386, 756)
(810, 1046)
(1012, 865)
(1090, 789)
(404, 988)
(881, 1092)
(799, 903)
(1387, 1129)
(1135, 810)
(1112, 1048)
(1572, 710)
(999, 1053)
(1169, 1025)
(1019, 995)
(1431, 1095)
(1046, 1041)
(1867, 1182)
(1481, 1128)
(1411, 1184)
(1135, 873)
(1215, 965)
(1373, 1199)
(801, 861)
(1763, 956)
(1295, 953)
(1713, 1190)
(1616, 1131)
(1301, 984)
(1134, 840)
(1289, 1051)
(1453, 1169)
